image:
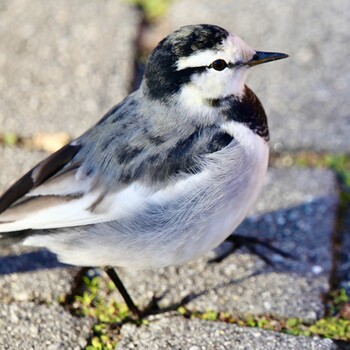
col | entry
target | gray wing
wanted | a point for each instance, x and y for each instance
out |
(91, 179)
(38, 175)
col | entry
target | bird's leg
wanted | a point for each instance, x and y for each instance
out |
(119, 284)
(250, 243)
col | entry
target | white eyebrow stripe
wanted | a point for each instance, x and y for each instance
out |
(201, 59)
(233, 50)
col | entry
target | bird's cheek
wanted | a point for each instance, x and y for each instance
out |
(216, 85)
(236, 82)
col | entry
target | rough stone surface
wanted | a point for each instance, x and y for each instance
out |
(63, 63)
(179, 333)
(27, 274)
(305, 96)
(28, 326)
(295, 213)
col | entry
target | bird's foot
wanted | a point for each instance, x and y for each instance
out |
(250, 243)
(152, 307)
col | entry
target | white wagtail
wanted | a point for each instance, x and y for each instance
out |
(165, 176)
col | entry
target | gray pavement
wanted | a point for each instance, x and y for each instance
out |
(25, 326)
(63, 63)
(179, 333)
(27, 275)
(306, 96)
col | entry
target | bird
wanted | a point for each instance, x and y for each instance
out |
(165, 176)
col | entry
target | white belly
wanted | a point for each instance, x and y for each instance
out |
(233, 187)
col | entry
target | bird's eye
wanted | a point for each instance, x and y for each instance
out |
(218, 64)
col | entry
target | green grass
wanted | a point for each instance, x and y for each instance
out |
(98, 302)
(152, 9)
(8, 139)
(339, 163)
(334, 326)
(93, 303)
(102, 340)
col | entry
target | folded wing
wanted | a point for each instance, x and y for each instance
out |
(50, 195)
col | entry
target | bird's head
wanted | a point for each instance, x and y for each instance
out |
(198, 64)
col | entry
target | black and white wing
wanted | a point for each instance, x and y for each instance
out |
(110, 172)
(50, 195)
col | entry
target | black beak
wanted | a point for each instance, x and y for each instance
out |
(263, 57)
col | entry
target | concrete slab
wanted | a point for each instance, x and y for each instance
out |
(64, 63)
(296, 213)
(30, 274)
(28, 326)
(305, 96)
(180, 333)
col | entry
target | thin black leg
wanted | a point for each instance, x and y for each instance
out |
(119, 284)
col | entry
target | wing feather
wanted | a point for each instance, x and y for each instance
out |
(39, 174)
(62, 191)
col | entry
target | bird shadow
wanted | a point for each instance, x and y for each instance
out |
(153, 307)
(29, 262)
